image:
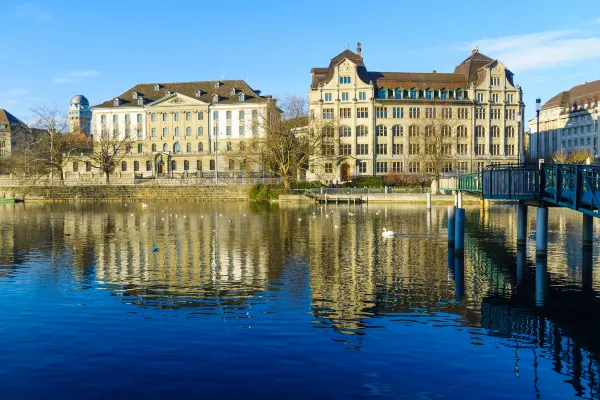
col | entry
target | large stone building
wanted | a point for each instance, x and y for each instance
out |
(80, 115)
(182, 128)
(9, 127)
(382, 115)
(568, 123)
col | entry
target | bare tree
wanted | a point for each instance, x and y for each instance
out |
(109, 149)
(285, 142)
(575, 157)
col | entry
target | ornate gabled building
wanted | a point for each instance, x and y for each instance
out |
(9, 127)
(184, 127)
(381, 115)
(568, 123)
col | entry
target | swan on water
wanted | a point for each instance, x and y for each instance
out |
(387, 233)
(144, 205)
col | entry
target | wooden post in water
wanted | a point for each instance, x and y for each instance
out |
(451, 228)
(541, 233)
(429, 201)
(459, 231)
(521, 225)
(588, 231)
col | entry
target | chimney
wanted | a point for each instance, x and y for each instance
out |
(434, 72)
(358, 48)
(475, 50)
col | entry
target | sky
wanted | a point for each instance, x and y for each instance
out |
(53, 50)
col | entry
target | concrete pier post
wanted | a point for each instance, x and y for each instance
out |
(451, 228)
(588, 231)
(451, 263)
(481, 203)
(459, 199)
(459, 277)
(459, 231)
(521, 225)
(486, 205)
(429, 201)
(541, 233)
(455, 199)
(587, 270)
(541, 281)
(521, 268)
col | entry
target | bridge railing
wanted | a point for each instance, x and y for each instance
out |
(470, 183)
(511, 181)
(572, 186)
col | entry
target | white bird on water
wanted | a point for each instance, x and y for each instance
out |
(387, 233)
(144, 205)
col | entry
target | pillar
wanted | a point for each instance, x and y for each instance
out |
(486, 205)
(541, 281)
(451, 263)
(455, 199)
(481, 203)
(588, 231)
(429, 201)
(521, 268)
(587, 270)
(451, 226)
(459, 231)
(459, 196)
(459, 277)
(521, 225)
(541, 232)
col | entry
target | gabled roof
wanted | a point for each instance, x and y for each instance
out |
(588, 92)
(472, 64)
(150, 95)
(323, 75)
(12, 122)
(409, 80)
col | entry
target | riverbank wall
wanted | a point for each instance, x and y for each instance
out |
(390, 198)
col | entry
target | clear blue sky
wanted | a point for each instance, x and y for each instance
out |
(53, 50)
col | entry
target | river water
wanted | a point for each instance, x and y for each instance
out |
(241, 300)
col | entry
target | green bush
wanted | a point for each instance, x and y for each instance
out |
(262, 192)
(366, 182)
(307, 185)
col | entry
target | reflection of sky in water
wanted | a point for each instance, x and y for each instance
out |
(275, 301)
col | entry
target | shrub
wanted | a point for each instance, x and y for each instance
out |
(262, 192)
(402, 180)
(366, 181)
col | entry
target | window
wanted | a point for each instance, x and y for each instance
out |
(362, 167)
(75, 166)
(509, 98)
(444, 94)
(463, 113)
(165, 131)
(215, 115)
(328, 131)
(328, 168)
(200, 147)
(509, 149)
(413, 94)
(124, 166)
(480, 150)
(242, 130)
(153, 132)
(345, 131)
(462, 149)
(383, 93)
(480, 97)
(362, 112)
(446, 149)
(188, 147)
(228, 147)
(176, 131)
(140, 148)
(200, 116)
(480, 165)
(462, 166)
(495, 149)
(345, 80)
(136, 166)
(362, 131)
(397, 148)
(116, 102)
(173, 165)
(510, 132)
(397, 112)
(345, 96)
(211, 165)
(227, 114)
(165, 117)
(397, 130)
(200, 131)
(430, 112)
(413, 167)
(198, 165)
(429, 94)
(242, 97)
(362, 149)
(176, 148)
(362, 95)
(188, 116)
(495, 132)
(186, 165)
(228, 130)
(511, 114)
(414, 112)
(495, 113)
(413, 131)
(413, 148)
(381, 130)
(254, 114)
(382, 167)
(215, 98)
(102, 120)
(153, 147)
(242, 146)
(495, 97)
(398, 93)
(188, 131)
(447, 112)
(480, 131)
(345, 149)
(480, 113)
(381, 112)
(242, 115)
(446, 131)
(328, 150)
(430, 131)
(328, 113)
(115, 119)
(461, 131)
(381, 148)
(345, 113)
(495, 81)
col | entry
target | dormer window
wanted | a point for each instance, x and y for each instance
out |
(414, 93)
(157, 87)
(398, 93)
(233, 91)
(429, 94)
(383, 93)
(459, 94)
(215, 98)
(140, 101)
(198, 93)
(117, 101)
(135, 95)
(242, 97)
(169, 93)
(217, 84)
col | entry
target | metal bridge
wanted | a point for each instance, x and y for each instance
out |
(560, 185)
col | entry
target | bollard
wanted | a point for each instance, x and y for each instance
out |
(459, 231)
(459, 196)
(429, 201)
(541, 232)
(541, 281)
(588, 231)
(521, 225)
(451, 226)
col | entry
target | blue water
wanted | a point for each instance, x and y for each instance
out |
(250, 301)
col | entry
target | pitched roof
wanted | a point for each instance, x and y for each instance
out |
(207, 88)
(409, 80)
(10, 120)
(588, 92)
(472, 64)
(325, 74)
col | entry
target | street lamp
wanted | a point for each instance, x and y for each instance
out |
(595, 117)
(538, 107)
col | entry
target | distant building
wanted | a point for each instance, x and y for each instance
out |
(80, 115)
(568, 123)
(9, 127)
(382, 115)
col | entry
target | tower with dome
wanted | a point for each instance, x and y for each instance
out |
(80, 115)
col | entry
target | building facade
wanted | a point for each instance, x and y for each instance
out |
(9, 127)
(186, 128)
(80, 115)
(568, 124)
(382, 115)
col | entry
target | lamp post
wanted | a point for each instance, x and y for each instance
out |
(595, 117)
(216, 156)
(538, 107)
(519, 138)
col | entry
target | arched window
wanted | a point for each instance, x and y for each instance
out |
(153, 117)
(414, 93)
(176, 148)
(153, 132)
(413, 131)
(381, 130)
(362, 131)
(200, 131)
(176, 131)
(510, 132)
(153, 147)
(165, 147)
(397, 130)
(495, 131)
(140, 148)
(200, 116)
(398, 93)
(198, 165)
(446, 131)
(461, 131)
(136, 166)
(480, 131)
(383, 93)
(188, 131)
(186, 165)
(124, 166)
(173, 165)
(188, 116)
(148, 165)
(188, 147)
(345, 131)
(444, 94)
(430, 131)
(200, 146)
(212, 165)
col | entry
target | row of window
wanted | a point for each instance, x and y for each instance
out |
(200, 131)
(384, 167)
(428, 94)
(415, 112)
(414, 130)
(176, 116)
(415, 149)
(173, 165)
